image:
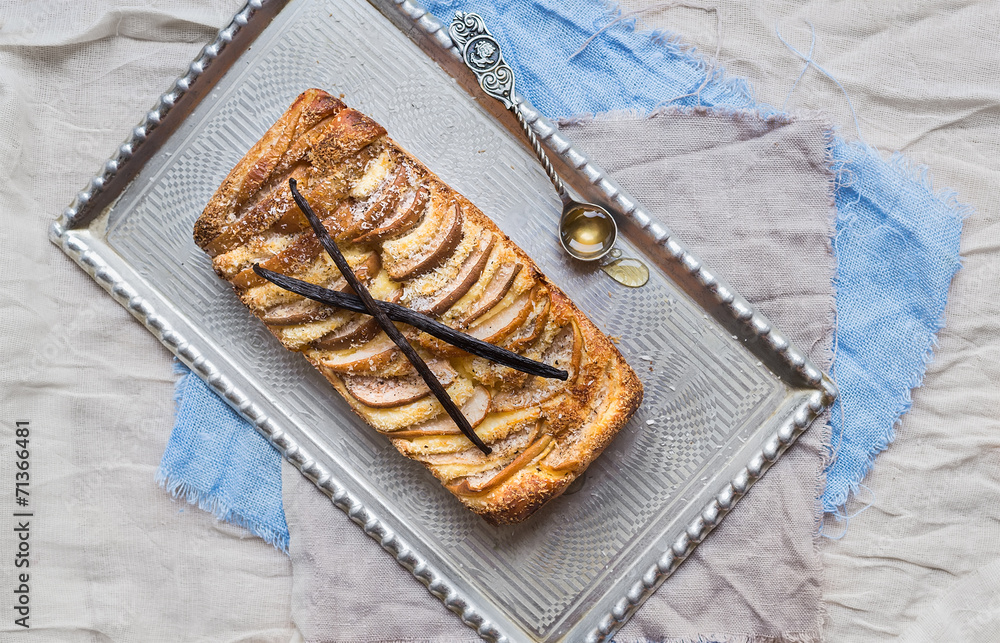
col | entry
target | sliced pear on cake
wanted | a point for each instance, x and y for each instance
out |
(468, 273)
(407, 215)
(307, 310)
(565, 352)
(386, 392)
(364, 359)
(505, 321)
(428, 246)
(494, 428)
(495, 290)
(474, 409)
(406, 415)
(360, 329)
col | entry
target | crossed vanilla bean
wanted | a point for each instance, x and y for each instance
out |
(385, 323)
(431, 326)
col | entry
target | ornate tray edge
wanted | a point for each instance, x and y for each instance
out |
(776, 444)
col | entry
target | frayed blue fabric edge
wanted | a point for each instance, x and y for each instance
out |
(214, 504)
(218, 508)
(920, 175)
(736, 92)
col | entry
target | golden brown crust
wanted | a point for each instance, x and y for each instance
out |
(262, 161)
(377, 199)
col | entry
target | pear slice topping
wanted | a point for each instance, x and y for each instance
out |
(446, 235)
(386, 392)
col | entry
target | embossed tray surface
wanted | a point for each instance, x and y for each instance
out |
(725, 394)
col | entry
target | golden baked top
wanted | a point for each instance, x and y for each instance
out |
(413, 240)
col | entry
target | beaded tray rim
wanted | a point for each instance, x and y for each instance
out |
(102, 190)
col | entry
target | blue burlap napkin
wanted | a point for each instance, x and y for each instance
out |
(215, 460)
(896, 247)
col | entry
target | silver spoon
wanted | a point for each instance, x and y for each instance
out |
(586, 230)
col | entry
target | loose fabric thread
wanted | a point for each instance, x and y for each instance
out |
(809, 62)
(845, 518)
(712, 64)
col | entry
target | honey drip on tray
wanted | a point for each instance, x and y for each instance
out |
(626, 270)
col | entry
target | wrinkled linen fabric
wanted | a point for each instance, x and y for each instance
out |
(346, 588)
(112, 557)
(918, 559)
(917, 562)
(702, 173)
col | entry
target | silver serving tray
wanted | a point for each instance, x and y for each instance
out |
(725, 393)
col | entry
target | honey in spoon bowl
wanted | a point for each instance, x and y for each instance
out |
(587, 232)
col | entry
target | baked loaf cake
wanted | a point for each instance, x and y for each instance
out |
(413, 240)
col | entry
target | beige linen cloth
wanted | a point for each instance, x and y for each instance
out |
(752, 197)
(922, 562)
(115, 560)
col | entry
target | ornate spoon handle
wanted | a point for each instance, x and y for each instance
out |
(481, 53)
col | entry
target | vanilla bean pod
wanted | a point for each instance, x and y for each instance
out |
(385, 323)
(429, 325)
